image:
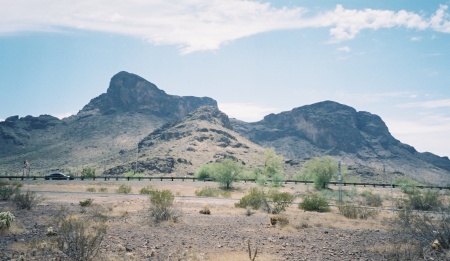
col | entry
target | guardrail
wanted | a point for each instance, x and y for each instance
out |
(194, 179)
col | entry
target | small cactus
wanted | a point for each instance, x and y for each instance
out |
(6, 218)
(50, 232)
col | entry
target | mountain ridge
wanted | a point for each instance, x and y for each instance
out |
(105, 131)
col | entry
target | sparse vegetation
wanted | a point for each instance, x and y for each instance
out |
(7, 191)
(27, 200)
(314, 202)
(425, 200)
(103, 189)
(124, 189)
(371, 199)
(354, 211)
(272, 170)
(212, 192)
(91, 190)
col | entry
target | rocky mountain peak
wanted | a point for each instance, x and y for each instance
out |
(128, 92)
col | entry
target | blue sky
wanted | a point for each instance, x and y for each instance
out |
(390, 58)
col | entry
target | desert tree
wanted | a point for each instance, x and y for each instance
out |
(320, 170)
(227, 171)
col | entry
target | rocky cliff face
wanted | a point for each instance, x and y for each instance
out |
(130, 93)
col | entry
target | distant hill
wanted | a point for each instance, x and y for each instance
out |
(135, 121)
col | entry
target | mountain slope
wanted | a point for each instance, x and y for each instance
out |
(180, 147)
(110, 123)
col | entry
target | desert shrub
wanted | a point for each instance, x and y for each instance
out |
(204, 172)
(314, 202)
(4, 183)
(6, 218)
(282, 220)
(91, 190)
(7, 191)
(354, 211)
(212, 192)
(271, 202)
(124, 189)
(88, 173)
(255, 199)
(148, 190)
(78, 240)
(86, 202)
(423, 200)
(417, 233)
(103, 189)
(161, 208)
(279, 201)
(373, 200)
(27, 200)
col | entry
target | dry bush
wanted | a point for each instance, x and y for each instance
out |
(205, 211)
(76, 242)
(354, 211)
(7, 191)
(86, 202)
(27, 200)
(91, 190)
(161, 208)
(124, 189)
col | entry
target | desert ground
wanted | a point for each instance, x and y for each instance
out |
(225, 234)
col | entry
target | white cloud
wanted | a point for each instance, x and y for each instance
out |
(196, 25)
(415, 38)
(246, 111)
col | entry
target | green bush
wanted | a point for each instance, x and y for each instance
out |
(88, 173)
(255, 199)
(271, 202)
(373, 200)
(27, 200)
(161, 208)
(212, 192)
(148, 190)
(6, 218)
(279, 201)
(205, 171)
(86, 202)
(423, 200)
(124, 189)
(7, 191)
(314, 202)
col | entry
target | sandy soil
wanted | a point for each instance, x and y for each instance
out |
(223, 235)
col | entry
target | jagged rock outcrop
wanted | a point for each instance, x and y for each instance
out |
(130, 93)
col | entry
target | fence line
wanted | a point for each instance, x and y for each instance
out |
(194, 179)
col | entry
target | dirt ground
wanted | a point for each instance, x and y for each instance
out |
(223, 235)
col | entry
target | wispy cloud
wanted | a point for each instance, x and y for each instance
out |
(246, 111)
(196, 25)
(344, 49)
(427, 104)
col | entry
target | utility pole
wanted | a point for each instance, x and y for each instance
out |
(340, 181)
(137, 155)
